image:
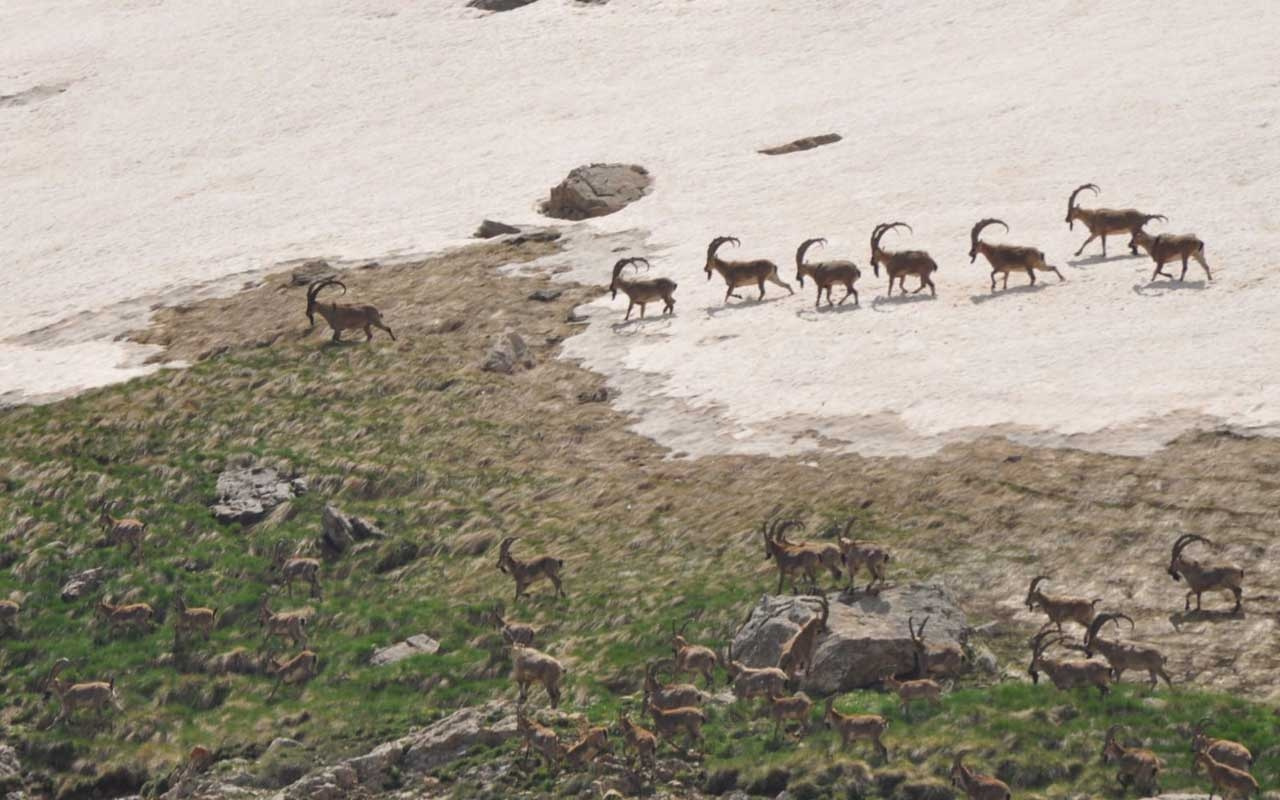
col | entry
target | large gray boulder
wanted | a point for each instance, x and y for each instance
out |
(339, 530)
(246, 494)
(596, 190)
(82, 583)
(867, 634)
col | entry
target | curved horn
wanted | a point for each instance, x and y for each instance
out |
(804, 248)
(1150, 217)
(1187, 539)
(717, 242)
(780, 532)
(1095, 626)
(314, 289)
(1036, 582)
(1071, 201)
(826, 611)
(1111, 732)
(976, 232)
(1125, 617)
(911, 628)
(920, 630)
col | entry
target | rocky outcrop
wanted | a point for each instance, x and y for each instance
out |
(596, 190)
(807, 143)
(508, 355)
(867, 635)
(81, 583)
(246, 494)
(339, 530)
(310, 272)
(414, 645)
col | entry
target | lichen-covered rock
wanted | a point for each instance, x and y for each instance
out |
(246, 494)
(81, 583)
(414, 645)
(596, 190)
(508, 354)
(453, 736)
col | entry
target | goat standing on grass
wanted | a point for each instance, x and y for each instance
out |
(671, 722)
(826, 274)
(1203, 578)
(127, 531)
(95, 695)
(1060, 609)
(132, 615)
(342, 317)
(295, 568)
(1103, 221)
(1066, 674)
(512, 632)
(642, 743)
(692, 657)
(797, 707)
(1006, 258)
(749, 682)
(1123, 656)
(909, 691)
(1224, 751)
(640, 292)
(974, 785)
(1137, 765)
(540, 738)
(291, 625)
(671, 695)
(299, 669)
(943, 660)
(1227, 781)
(898, 265)
(525, 573)
(742, 273)
(533, 666)
(193, 619)
(857, 727)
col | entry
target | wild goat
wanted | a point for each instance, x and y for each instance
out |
(298, 669)
(193, 619)
(1006, 258)
(124, 531)
(1224, 751)
(532, 666)
(1202, 578)
(793, 558)
(291, 625)
(857, 727)
(131, 615)
(296, 568)
(670, 722)
(943, 660)
(642, 292)
(525, 573)
(9, 610)
(95, 695)
(854, 555)
(1227, 781)
(676, 695)
(797, 707)
(512, 632)
(592, 742)
(974, 785)
(1123, 656)
(898, 265)
(1104, 221)
(826, 274)
(540, 738)
(741, 273)
(797, 652)
(692, 657)
(1169, 247)
(342, 317)
(749, 682)
(1060, 609)
(642, 743)
(910, 691)
(1137, 766)
(1066, 674)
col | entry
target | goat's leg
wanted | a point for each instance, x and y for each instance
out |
(933, 290)
(1004, 285)
(1031, 273)
(1092, 236)
(1199, 257)
(368, 333)
(385, 328)
(1059, 274)
(642, 305)
(629, 307)
(774, 279)
(761, 285)
(337, 334)
(1239, 593)
(1183, 276)
(555, 579)
(1104, 245)
(729, 293)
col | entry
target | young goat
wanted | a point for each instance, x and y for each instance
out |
(642, 743)
(131, 615)
(9, 611)
(299, 669)
(857, 727)
(1006, 258)
(898, 265)
(1060, 609)
(1123, 656)
(512, 632)
(749, 682)
(1224, 751)
(533, 666)
(1137, 766)
(642, 292)
(295, 568)
(909, 691)
(692, 657)
(342, 317)
(797, 707)
(797, 652)
(193, 620)
(678, 695)
(855, 555)
(670, 722)
(1104, 221)
(525, 573)
(942, 660)
(974, 785)
(126, 531)
(591, 744)
(1227, 781)
(94, 695)
(1169, 247)
(291, 625)
(826, 274)
(1066, 674)
(1203, 578)
(540, 738)
(741, 273)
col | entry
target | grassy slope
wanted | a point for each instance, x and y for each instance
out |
(447, 458)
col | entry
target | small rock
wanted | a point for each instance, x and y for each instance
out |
(600, 395)
(81, 583)
(807, 143)
(311, 272)
(546, 295)
(535, 235)
(414, 645)
(508, 354)
(596, 190)
(491, 228)
(498, 5)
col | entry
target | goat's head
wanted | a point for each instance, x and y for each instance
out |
(504, 552)
(619, 266)
(1038, 645)
(1073, 211)
(1095, 627)
(977, 232)
(1175, 560)
(50, 683)
(1140, 237)
(1111, 749)
(959, 772)
(800, 253)
(1032, 592)
(876, 235)
(314, 289)
(713, 247)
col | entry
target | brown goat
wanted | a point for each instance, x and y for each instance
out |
(749, 682)
(1224, 751)
(826, 274)
(1123, 656)
(301, 668)
(1006, 258)
(1227, 781)
(642, 292)
(692, 657)
(94, 695)
(295, 568)
(540, 738)
(797, 652)
(591, 744)
(794, 558)
(1066, 674)
(642, 743)
(525, 573)
(512, 632)
(127, 531)
(670, 722)
(675, 695)
(131, 615)
(1060, 609)
(977, 786)
(1203, 578)
(857, 727)
(855, 555)
(741, 273)
(910, 691)
(342, 317)
(797, 707)
(193, 619)
(1168, 247)
(898, 265)
(1104, 221)
(943, 660)
(533, 666)
(291, 625)
(1137, 766)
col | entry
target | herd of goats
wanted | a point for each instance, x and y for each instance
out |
(675, 710)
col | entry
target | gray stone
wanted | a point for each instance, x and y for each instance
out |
(807, 143)
(508, 354)
(453, 736)
(81, 583)
(596, 190)
(247, 494)
(498, 5)
(10, 769)
(867, 636)
(414, 645)
(491, 228)
(311, 272)
(546, 295)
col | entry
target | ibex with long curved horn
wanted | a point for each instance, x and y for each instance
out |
(95, 695)
(1137, 766)
(342, 317)
(1066, 674)
(1204, 578)
(1104, 221)
(797, 652)
(826, 274)
(1167, 247)
(742, 273)
(692, 657)
(899, 264)
(975, 785)
(1060, 609)
(1006, 258)
(642, 292)
(796, 557)
(1123, 656)
(945, 659)
(1224, 751)
(526, 573)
